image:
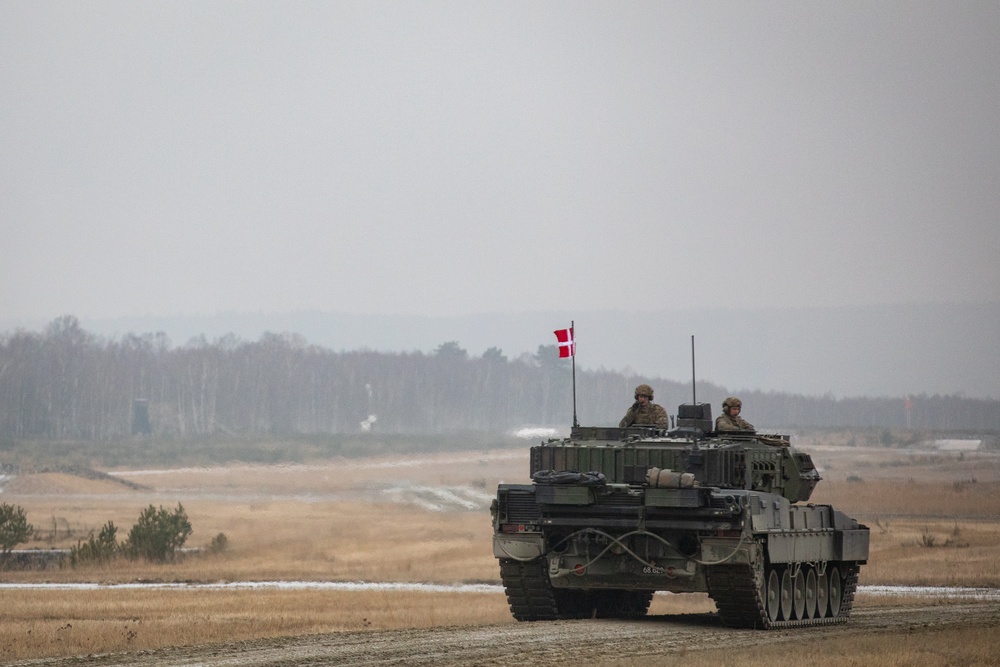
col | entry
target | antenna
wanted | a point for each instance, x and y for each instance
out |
(572, 328)
(694, 392)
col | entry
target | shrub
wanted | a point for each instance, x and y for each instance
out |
(99, 550)
(218, 544)
(14, 528)
(158, 534)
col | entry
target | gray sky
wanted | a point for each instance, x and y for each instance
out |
(447, 158)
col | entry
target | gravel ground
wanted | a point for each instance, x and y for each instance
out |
(552, 643)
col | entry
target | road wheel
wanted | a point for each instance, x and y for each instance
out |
(811, 594)
(799, 595)
(773, 596)
(822, 595)
(836, 589)
(787, 596)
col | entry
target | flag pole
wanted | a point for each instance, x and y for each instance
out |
(572, 328)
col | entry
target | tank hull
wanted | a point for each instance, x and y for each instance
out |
(574, 548)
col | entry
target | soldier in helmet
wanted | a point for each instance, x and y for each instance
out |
(730, 419)
(644, 411)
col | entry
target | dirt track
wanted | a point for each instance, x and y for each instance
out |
(564, 642)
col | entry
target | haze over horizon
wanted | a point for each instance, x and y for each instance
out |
(859, 351)
(457, 160)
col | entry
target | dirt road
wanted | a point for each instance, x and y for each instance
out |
(564, 642)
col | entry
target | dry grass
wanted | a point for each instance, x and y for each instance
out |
(289, 539)
(935, 553)
(335, 522)
(55, 623)
(871, 500)
(330, 540)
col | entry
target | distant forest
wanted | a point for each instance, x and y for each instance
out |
(67, 384)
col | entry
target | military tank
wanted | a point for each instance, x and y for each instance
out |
(614, 514)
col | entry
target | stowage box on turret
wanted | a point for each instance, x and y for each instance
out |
(614, 514)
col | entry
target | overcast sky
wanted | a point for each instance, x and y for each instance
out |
(447, 158)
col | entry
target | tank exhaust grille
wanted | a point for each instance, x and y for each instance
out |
(519, 508)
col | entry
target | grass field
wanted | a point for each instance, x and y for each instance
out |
(935, 520)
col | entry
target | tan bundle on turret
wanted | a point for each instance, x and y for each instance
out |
(668, 479)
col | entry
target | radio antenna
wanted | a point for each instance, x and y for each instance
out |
(694, 392)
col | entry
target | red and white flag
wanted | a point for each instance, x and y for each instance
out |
(567, 344)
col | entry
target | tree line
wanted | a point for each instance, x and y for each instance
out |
(64, 383)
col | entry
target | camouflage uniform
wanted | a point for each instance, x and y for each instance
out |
(726, 422)
(650, 414)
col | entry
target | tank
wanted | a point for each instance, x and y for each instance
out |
(613, 515)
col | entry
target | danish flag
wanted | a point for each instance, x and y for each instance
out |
(567, 344)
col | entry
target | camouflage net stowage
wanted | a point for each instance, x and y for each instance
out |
(592, 478)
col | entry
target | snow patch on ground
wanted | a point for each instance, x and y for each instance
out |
(259, 585)
(944, 592)
(439, 498)
(340, 465)
(932, 591)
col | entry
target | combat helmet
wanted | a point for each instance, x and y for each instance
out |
(731, 402)
(644, 390)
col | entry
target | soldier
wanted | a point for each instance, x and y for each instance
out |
(644, 411)
(730, 419)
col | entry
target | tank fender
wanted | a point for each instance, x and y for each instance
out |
(518, 547)
(854, 544)
(769, 511)
(792, 547)
(843, 522)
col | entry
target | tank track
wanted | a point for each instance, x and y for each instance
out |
(532, 597)
(737, 596)
(529, 592)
